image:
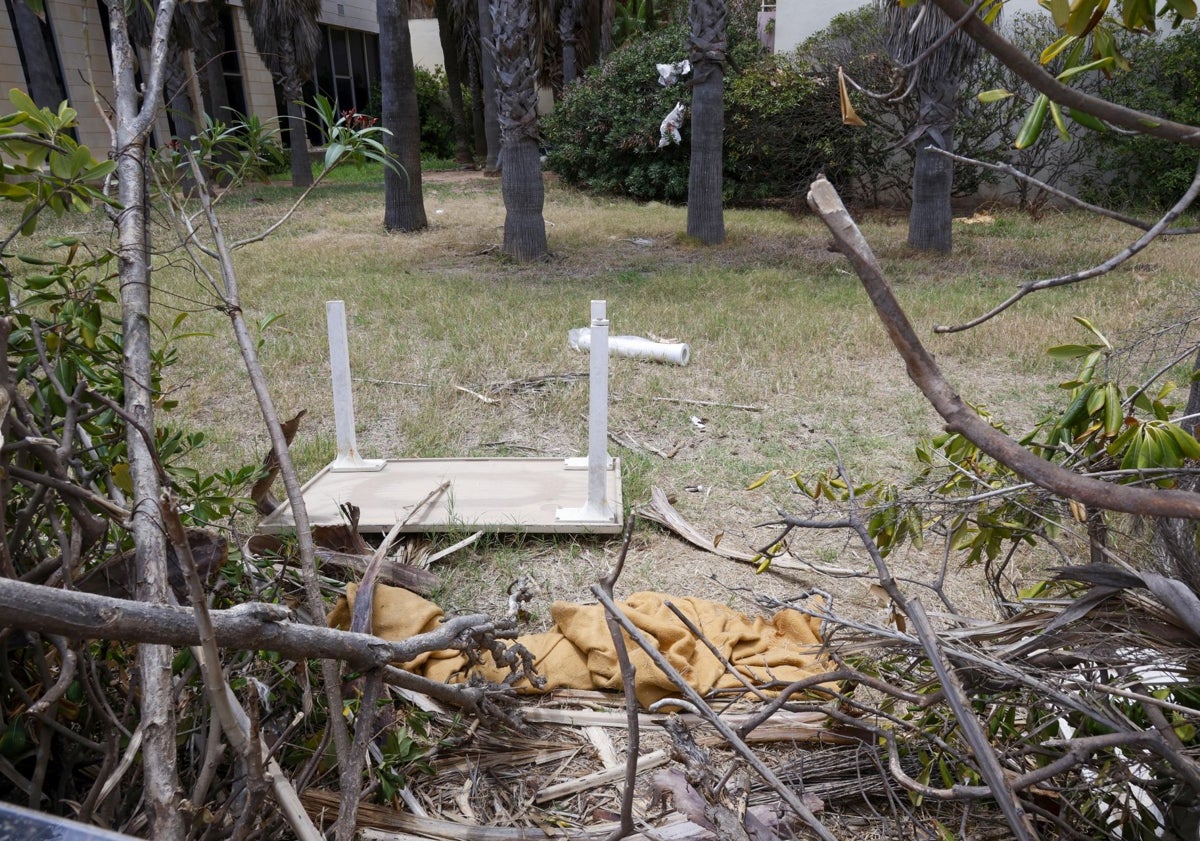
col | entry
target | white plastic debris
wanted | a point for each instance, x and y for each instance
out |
(636, 347)
(669, 130)
(669, 74)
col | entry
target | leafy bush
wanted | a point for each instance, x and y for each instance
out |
(603, 135)
(433, 105)
(1140, 170)
(780, 124)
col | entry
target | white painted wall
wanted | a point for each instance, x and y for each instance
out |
(795, 20)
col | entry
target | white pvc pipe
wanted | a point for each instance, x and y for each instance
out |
(677, 353)
(597, 508)
(343, 395)
(598, 413)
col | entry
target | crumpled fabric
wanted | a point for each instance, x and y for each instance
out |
(578, 652)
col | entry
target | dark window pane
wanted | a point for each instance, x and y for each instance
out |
(358, 62)
(345, 94)
(341, 57)
(38, 54)
(372, 49)
(324, 69)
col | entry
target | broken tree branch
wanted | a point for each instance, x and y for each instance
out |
(628, 680)
(959, 417)
(248, 627)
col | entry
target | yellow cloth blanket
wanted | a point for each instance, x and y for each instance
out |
(578, 652)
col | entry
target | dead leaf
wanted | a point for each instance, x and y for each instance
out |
(849, 117)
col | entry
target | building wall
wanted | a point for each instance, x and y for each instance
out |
(83, 53)
(256, 79)
(795, 20)
(11, 74)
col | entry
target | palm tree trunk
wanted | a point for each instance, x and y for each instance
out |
(524, 199)
(705, 217)
(608, 12)
(930, 221)
(462, 136)
(404, 206)
(301, 161)
(568, 33)
(524, 193)
(487, 79)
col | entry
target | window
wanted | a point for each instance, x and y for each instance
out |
(39, 54)
(348, 67)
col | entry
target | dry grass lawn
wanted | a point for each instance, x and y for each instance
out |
(773, 317)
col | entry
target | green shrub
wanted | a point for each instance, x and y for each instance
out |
(1137, 170)
(603, 134)
(780, 124)
(433, 105)
(782, 128)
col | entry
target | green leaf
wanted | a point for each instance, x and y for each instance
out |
(1080, 13)
(1188, 444)
(1086, 120)
(1061, 12)
(1114, 413)
(1079, 319)
(1031, 128)
(1059, 123)
(761, 480)
(1105, 63)
(994, 95)
(13, 192)
(1051, 52)
(1071, 351)
(1185, 8)
(23, 103)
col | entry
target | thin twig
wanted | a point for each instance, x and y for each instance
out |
(960, 417)
(1087, 274)
(628, 680)
(784, 791)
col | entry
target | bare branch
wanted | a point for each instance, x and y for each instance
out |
(1012, 172)
(628, 680)
(251, 626)
(1107, 266)
(959, 417)
(784, 791)
(1037, 77)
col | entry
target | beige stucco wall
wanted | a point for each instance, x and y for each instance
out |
(11, 75)
(85, 62)
(350, 14)
(426, 45)
(256, 79)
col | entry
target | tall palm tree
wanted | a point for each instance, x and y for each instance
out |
(935, 83)
(568, 35)
(521, 173)
(488, 82)
(287, 36)
(451, 53)
(705, 217)
(403, 201)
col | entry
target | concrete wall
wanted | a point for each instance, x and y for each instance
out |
(795, 20)
(426, 43)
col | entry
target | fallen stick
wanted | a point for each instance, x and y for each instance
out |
(662, 512)
(743, 406)
(599, 778)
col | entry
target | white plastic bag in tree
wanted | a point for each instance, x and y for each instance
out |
(669, 130)
(669, 74)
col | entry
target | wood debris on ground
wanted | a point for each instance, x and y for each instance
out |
(557, 778)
